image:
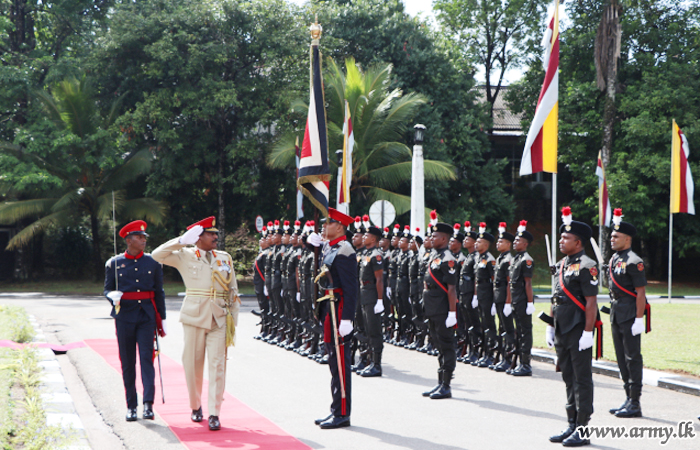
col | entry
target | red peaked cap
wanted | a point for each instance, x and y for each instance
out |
(336, 215)
(135, 227)
(208, 224)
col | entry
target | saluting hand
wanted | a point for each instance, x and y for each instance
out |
(192, 235)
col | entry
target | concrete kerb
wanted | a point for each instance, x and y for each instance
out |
(678, 383)
(58, 403)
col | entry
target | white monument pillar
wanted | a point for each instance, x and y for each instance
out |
(418, 183)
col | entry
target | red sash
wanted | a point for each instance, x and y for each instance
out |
(147, 295)
(647, 306)
(430, 271)
(598, 323)
(259, 272)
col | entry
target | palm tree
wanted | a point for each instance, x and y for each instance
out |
(91, 169)
(380, 119)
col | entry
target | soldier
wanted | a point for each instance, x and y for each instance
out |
(360, 342)
(138, 307)
(416, 280)
(288, 316)
(211, 291)
(440, 300)
(393, 262)
(521, 296)
(277, 286)
(455, 246)
(337, 312)
(467, 295)
(628, 293)
(271, 239)
(403, 288)
(574, 309)
(259, 284)
(506, 329)
(385, 247)
(372, 304)
(483, 273)
(293, 294)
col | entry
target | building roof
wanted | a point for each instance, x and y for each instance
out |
(505, 122)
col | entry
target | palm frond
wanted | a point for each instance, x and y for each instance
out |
(34, 229)
(12, 212)
(77, 106)
(439, 170)
(19, 153)
(385, 153)
(105, 202)
(136, 165)
(149, 209)
(391, 176)
(50, 106)
(70, 198)
(114, 110)
(282, 153)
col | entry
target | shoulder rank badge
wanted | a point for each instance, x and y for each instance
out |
(594, 271)
(640, 267)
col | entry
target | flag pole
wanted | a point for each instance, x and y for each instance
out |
(670, 255)
(554, 222)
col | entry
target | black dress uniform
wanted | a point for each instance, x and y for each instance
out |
(259, 284)
(626, 272)
(416, 312)
(579, 276)
(339, 257)
(141, 281)
(273, 316)
(371, 261)
(520, 268)
(403, 294)
(276, 287)
(484, 272)
(506, 328)
(440, 274)
(467, 288)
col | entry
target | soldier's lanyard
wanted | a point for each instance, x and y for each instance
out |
(647, 306)
(598, 323)
(430, 271)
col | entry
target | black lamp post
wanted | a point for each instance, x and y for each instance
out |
(419, 133)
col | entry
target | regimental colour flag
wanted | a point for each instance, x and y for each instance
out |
(314, 171)
(300, 195)
(540, 153)
(604, 209)
(682, 187)
(348, 145)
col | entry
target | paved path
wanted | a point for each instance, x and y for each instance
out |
(488, 410)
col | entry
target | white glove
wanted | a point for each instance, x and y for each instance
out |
(192, 235)
(638, 326)
(314, 239)
(507, 309)
(451, 319)
(530, 308)
(281, 292)
(298, 297)
(475, 302)
(586, 341)
(115, 296)
(493, 309)
(379, 307)
(165, 327)
(265, 291)
(549, 336)
(388, 293)
(345, 327)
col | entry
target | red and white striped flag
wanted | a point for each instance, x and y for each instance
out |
(348, 145)
(314, 171)
(300, 195)
(540, 153)
(604, 209)
(682, 187)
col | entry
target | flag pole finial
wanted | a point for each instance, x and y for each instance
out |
(316, 29)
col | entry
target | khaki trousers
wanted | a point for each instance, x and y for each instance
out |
(197, 342)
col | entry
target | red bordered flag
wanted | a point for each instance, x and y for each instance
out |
(604, 208)
(540, 153)
(682, 187)
(314, 171)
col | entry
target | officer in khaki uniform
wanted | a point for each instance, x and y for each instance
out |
(211, 289)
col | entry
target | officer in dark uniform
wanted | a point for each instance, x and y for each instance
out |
(393, 265)
(440, 300)
(385, 247)
(293, 294)
(416, 294)
(467, 295)
(520, 295)
(574, 309)
(455, 246)
(422, 271)
(403, 288)
(340, 284)
(506, 328)
(483, 273)
(134, 286)
(628, 292)
(371, 290)
(360, 340)
(259, 284)
(273, 315)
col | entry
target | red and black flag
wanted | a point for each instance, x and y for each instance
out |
(314, 171)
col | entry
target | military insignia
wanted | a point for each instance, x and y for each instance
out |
(493, 263)
(640, 267)
(528, 263)
(123, 265)
(379, 258)
(568, 228)
(594, 271)
(617, 227)
(213, 222)
(197, 254)
(451, 264)
(143, 228)
(437, 261)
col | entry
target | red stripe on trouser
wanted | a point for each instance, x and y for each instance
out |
(341, 370)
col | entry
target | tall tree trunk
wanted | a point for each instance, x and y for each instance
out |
(221, 224)
(97, 262)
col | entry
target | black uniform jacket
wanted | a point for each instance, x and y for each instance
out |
(580, 277)
(370, 261)
(500, 280)
(441, 272)
(628, 271)
(520, 268)
(136, 274)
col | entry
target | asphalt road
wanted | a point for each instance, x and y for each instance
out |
(488, 410)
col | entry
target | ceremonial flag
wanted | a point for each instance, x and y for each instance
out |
(540, 153)
(682, 187)
(300, 196)
(348, 144)
(314, 172)
(604, 209)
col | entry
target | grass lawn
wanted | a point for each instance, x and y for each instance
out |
(672, 344)
(83, 287)
(653, 288)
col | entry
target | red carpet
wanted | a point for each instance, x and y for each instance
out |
(56, 348)
(242, 428)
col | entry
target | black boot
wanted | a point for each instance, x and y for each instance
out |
(430, 392)
(568, 431)
(633, 409)
(374, 369)
(575, 440)
(523, 370)
(622, 406)
(148, 410)
(444, 390)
